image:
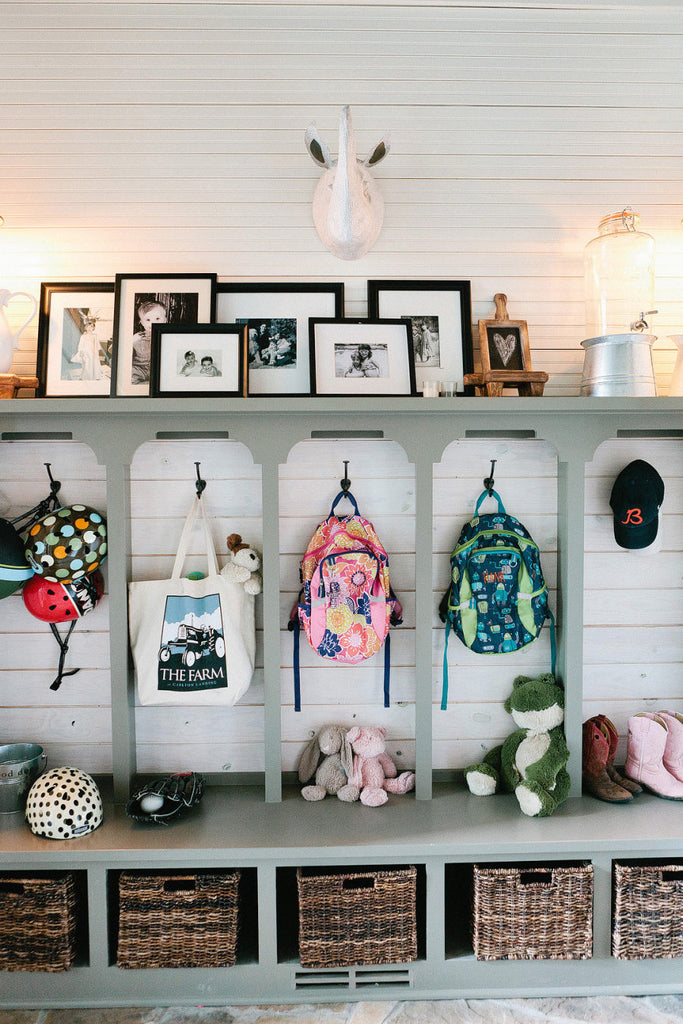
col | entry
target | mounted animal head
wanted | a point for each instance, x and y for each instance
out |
(348, 208)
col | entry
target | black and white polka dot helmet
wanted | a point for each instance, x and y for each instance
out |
(63, 803)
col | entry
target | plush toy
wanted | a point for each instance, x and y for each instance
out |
(374, 773)
(531, 761)
(328, 756)
(244, 565)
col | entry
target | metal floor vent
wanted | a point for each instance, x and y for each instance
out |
(354, 978)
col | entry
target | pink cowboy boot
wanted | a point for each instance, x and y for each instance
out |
(673, 752)
(647, 738)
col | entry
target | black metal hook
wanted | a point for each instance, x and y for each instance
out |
(489, 481)
(54, 484)
(200, 484)
(346, 483)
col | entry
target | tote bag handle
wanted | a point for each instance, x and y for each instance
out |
(197, 506)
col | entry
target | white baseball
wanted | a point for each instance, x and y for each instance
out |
(152, 802)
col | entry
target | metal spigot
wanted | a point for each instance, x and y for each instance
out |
(642, 325)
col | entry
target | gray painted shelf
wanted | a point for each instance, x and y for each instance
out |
(268, 830)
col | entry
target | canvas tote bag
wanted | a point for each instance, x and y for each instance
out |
(193, 641)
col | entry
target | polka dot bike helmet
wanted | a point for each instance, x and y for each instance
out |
(62, 602)
(63, 803)
(67, 544)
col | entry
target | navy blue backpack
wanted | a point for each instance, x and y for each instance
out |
(497, 600)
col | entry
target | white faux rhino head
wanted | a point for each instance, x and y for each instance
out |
(348, 208)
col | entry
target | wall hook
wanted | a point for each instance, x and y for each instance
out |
(200, 484)
(346, 483)
(489, 481)
(54, 484)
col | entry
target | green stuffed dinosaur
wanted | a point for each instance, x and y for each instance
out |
(531, 761)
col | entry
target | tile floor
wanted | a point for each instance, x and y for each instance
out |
(602, 1010)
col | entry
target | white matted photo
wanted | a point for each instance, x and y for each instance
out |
(143, 301)
(75, 340)
(361, 357)
(278, 315)
(440, 315)
(206, 359)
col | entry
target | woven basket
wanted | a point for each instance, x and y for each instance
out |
(648, 911)
(533, 913)
(37, 923)
(183, 920)
(355, 918)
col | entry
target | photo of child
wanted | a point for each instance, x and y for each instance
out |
(157, 308)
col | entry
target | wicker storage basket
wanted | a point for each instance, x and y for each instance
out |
(648, 911)
(37, 923)
(533, 913)
(353, 918)
(178, 920)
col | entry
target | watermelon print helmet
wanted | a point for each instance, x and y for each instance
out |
(14, 569)
(67, 544)
(62, 602)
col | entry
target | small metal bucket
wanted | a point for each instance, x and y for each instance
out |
(618, 365)
(20, 766)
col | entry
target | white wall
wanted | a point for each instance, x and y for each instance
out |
(169, 137)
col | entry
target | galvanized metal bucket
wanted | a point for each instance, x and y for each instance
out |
(20, 766)
(618, 365)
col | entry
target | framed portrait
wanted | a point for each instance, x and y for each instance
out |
(440, 314)
(142, 300)
(278, 315)
(75, 340)
(201, 359)
(361, 357)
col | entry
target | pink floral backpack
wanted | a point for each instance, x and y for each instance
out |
(346, 603)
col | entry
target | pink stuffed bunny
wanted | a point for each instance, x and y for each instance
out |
(373, 770)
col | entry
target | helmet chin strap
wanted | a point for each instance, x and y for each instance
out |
(63, 648)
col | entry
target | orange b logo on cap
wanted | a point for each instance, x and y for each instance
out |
(634, 517)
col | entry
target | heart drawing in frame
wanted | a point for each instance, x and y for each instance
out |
(505, 346)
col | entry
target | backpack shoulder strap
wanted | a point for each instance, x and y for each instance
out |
(484, 495)
(340, 496)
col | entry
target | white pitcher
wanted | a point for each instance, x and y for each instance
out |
(8, 340)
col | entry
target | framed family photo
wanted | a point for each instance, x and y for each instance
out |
(277, 316)
(440, 314)
(201, 359)
(75, 340)
(361, 357)
(142, 300)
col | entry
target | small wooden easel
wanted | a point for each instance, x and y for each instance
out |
(504, 341)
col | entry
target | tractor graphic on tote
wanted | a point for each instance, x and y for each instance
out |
(192, 643)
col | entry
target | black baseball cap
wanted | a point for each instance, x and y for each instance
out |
(636, 499)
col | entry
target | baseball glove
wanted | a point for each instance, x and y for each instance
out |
(162, 800)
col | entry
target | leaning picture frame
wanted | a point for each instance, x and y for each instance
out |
(504, 343)
(75, 340)
(370, 357)
(200, 360)
(141, 300)
(278, 315)
(440, 314)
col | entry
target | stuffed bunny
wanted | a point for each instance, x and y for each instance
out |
(374, 773)
(333, 771)
(244, 565)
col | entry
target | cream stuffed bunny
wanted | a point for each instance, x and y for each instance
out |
(244, 565)
(328, 757)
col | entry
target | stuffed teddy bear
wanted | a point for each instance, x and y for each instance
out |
(531, 761)
(243, 566)
(374, 773)
(333, 772)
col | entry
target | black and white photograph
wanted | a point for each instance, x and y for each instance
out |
(361, 357)
(143, 302)
(195, 360)
(272, 343)
(278, 315)
(440, 314)
(75, 340)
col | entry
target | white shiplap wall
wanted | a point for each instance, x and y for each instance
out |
(168, 137)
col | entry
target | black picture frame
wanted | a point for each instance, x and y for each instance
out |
(222, 347)
(389, 370)
(450, 306)
(185, 298)
(67, 312)
(268, 301)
